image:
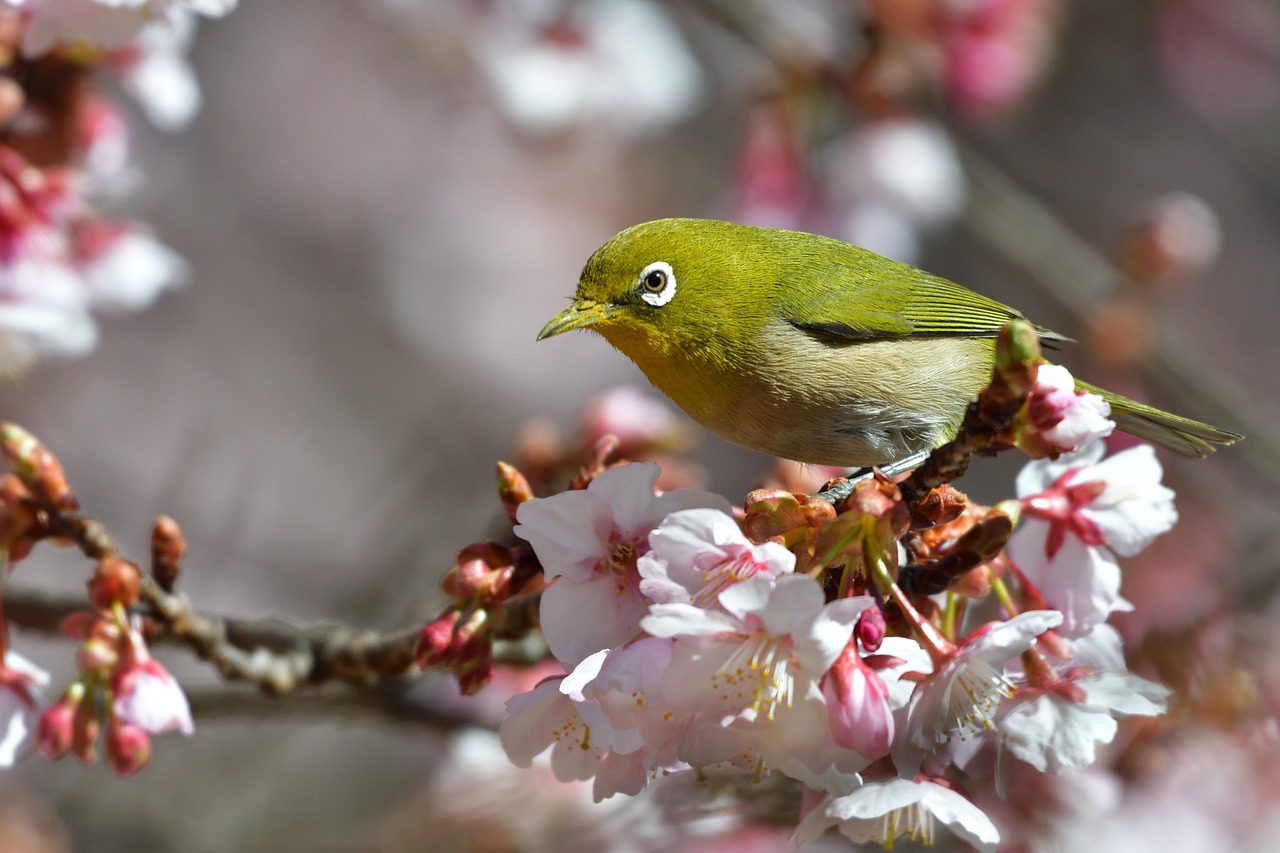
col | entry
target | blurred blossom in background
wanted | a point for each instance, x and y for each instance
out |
(375, 207)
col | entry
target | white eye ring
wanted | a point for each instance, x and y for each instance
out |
(657, 283)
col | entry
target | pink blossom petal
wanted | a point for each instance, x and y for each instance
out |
(567, 532)
(542, 718)
(581, 618)
(154, 702)
(676, 620)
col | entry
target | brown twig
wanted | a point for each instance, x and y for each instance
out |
(277, 656)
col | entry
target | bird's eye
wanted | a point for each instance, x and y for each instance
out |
(657, 283)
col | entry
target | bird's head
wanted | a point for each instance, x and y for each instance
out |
(673, 287)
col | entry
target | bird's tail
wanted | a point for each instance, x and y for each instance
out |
(1183, 436)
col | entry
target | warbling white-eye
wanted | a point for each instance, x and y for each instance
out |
(808, 348)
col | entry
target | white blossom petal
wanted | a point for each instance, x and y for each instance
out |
(1082, 581)
(881, 811)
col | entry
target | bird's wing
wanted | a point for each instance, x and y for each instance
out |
(879, 299)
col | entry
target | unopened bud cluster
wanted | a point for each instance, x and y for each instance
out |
(121, 695)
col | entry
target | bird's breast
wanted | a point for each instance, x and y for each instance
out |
(802, 397)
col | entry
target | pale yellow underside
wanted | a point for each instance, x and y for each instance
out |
(804, 398)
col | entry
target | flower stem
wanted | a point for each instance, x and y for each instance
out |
(1001, 590)
(938, 646)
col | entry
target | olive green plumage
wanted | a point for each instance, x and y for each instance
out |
(806, 347)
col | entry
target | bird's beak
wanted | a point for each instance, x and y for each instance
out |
(582, 314)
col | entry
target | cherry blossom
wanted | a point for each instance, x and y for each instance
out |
(1061, 418)
(58, 263)
(20, 680)
(1070, 709)
(762, 651)
(995, 51)
(154, 70)
(556, 67)
(589, 541)
(891, 179)
(698, 553)
(751, 671)
(145, 694)
(961, 697)
(1076, 511)
(584, 743)
(881, 811)
(104, 23)
(1061, 728)
(628, 689)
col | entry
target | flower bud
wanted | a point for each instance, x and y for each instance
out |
(483, 572)
(36, 467)
(1017, 358)
(115, 580)
(871, 628)
(16, 518)
(56, 731)
(436, 638)
(167, 549)
(858, 706)
(604, 448)
(1121, 331)
(1176, 237)
(462, 645)
(128, 748)
(982, 542)
(939, 505)
(1057, 418)
(145, 694)
(774, 512)
(513, 488)
(475, 672)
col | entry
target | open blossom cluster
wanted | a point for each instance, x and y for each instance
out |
(688, 648)
(64, 145)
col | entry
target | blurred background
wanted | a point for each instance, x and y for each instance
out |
(381, 203)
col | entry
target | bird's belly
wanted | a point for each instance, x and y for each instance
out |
(849, 405)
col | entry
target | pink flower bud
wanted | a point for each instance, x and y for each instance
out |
(1057, 418)
(436, 639)
(128, 748)
(858, 705)
(56, 731)
(475, 673)
(483, 571)
(871, 628)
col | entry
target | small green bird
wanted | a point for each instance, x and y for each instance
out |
(808, 348)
